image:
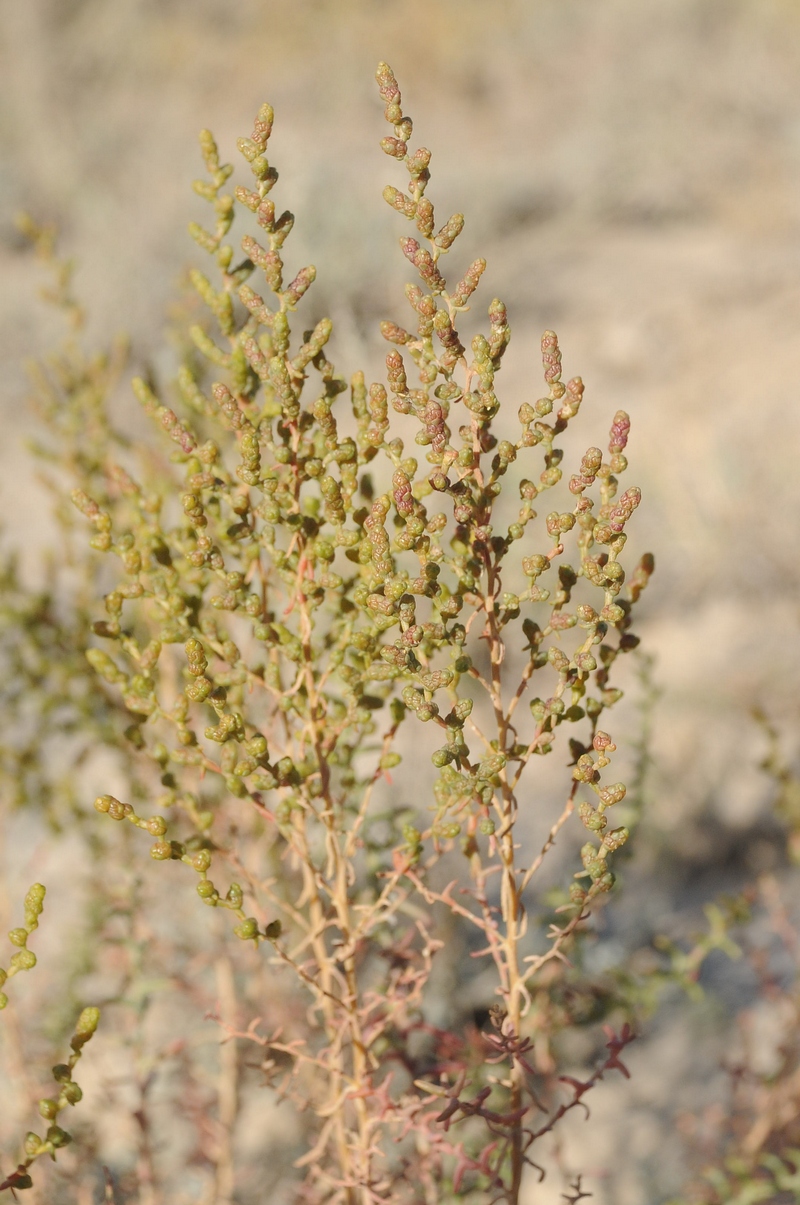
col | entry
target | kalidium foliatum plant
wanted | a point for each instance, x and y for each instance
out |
(310, 578)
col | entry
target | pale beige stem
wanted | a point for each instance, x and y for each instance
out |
(228, 1086)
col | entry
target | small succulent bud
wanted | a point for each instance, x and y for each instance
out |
(33, 1144)
(396, 372)
(592, 819)
(469, 283)
(429, 273)
(85, 1028)
(300, 285)
(72, 1093)
(23, 960)
(387, 83)
(612, 794)
(425, 218)
(394, 147)
(58, 1137)
(247, 929)
(551, 357)
(615, 838)
(572, 400)
(399, 201)
(448, 830)
(34, 903)
(620, 429)
(450, 231)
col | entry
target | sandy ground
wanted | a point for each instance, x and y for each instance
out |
(631, 171)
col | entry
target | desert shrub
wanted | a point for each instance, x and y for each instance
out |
(333, 635)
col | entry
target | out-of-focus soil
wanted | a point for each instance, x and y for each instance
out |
(631, 171)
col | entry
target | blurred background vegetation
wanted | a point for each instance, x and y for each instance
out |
(631, 171)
